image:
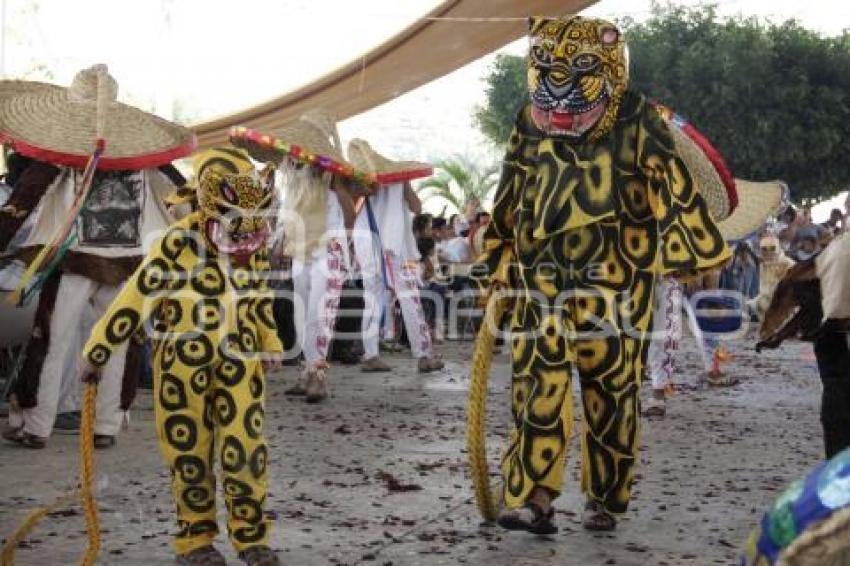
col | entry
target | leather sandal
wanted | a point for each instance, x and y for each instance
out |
(298, 387)
(375, 364)
(427, 365)
(316, 389)
(25, 439)
(204, 556)
(530, 518)
(596, 518)
(717, 378)
(259, 556)
(103, 441)
(654, 407)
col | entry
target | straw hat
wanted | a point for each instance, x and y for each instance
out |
(705, 164)
(311, 139)
(62, 125)
(757, 202)
(386, 170)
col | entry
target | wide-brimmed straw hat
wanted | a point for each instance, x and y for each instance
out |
(311, 139)
(757, 201)
(62, 125)
(386, 170)
(708, 170)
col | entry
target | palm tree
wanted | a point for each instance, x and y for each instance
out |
(459, 180)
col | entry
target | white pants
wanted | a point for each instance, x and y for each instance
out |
(402, 279)
(80, 302)
(317, 285)
(667, 332)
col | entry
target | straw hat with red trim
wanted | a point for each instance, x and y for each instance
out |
(758, 201)
(385, 170)
(62, 125)
(706, 166)
(310, 139)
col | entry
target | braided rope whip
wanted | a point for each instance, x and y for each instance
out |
(85, 493)
(476, 413)
(87, 475)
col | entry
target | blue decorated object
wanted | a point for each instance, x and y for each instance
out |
(806, 502)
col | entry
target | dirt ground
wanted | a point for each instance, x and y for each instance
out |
(707, 473)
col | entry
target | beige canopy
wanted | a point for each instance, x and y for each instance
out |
(453, 34)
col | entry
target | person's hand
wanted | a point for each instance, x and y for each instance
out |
(90, 373)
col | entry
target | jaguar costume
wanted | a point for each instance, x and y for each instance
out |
(203, 286)
(593, 205)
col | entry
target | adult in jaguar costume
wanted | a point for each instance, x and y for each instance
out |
(594, 204)
(204, 287)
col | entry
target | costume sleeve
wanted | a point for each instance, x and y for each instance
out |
(266, 327)
(140, 297)
(498, 239)
(689, 240)
(27, 193)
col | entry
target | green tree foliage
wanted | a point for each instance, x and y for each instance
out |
(774, 98)
(459, 180)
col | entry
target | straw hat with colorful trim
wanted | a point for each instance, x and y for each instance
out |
(62, 125)
(757, 203)
(705, 164)
(311, 139)
(386, 170)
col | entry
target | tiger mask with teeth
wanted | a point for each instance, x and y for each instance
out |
(577, 74)
(233, 209)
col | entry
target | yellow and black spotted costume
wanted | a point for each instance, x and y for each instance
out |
(589, 223)
(210, 321)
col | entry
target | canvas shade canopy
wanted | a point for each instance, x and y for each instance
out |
(451, 35)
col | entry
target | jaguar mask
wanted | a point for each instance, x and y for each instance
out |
(234, 209)
(577, 74)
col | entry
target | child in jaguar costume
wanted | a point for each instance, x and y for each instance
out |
(203, 285)
(593, 206)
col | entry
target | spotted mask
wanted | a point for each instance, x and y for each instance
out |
(577, 74)
(234, 209)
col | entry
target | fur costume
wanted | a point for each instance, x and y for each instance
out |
(594, 204)
(203, 285)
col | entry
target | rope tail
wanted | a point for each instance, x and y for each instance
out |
(87, 474)
(476, 414)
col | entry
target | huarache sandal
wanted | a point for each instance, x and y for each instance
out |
(530, 518)
(596, 518)
(25, 439)
(375, 364)
(103, 441)
(298, 387)
(259, 556)
(316, 389)
(427, 365)
(204, 556)
(654, 407)
(719, 379)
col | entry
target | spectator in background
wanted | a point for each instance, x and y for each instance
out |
(836, 223)
(476, 233)
(422, 226)
(457, 249)
(774, 265)
(809, 240)
(742, 273)
(787, 223)
(434, 289)
(471, 210)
